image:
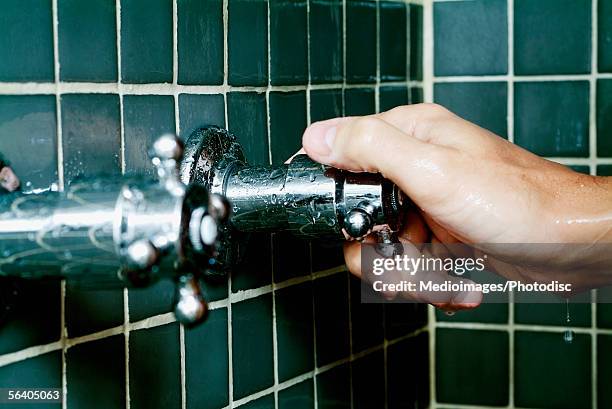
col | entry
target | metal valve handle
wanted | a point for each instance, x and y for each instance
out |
(113, 232)
(303, 197)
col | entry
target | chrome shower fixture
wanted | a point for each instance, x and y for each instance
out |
(303, 197)
(107, 233)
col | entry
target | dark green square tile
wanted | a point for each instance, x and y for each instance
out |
(550, 373)
(604, 371)
(206, 362)
(96, 369)
(298, 396)
(471, 37)
(369, 381)
(248, 120)
(26, 324)
(604, 170)
(197, 111)
(484, 103)
(28, 121)
(367, 320)
(291, 256)
(332, 318)
(553, 314)
(416, 42)
(252, 356)
(326, 63)
(43, 371)
(391, 97)
(581, 168)
(89, 311)
(325, 104)
(361, 41)
(604, 307)
(247, 42)
(564, 105)
(265, 402)
(604, 118)
(214, 289)
(288, 42)
(334, 388)
(145, 118)
(359, 101)
(408, 388)
(403, 318)
(287, 124)
(392, 41)
(416, 95)
(294, 331)
(326, 255)
(255, 268)
(91, 135)
(146, 41)
(152, 300)
(200, 42)
(472, 367)
(493, 313)
(26, 40)
(604, 41)
(552, 37)
(87, 40)
(164, 389)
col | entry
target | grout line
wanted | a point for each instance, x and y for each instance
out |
(54, 89)
(520, 327)
(230, 346)
(269, 85)
(377, 84)
(126, 340)
(126, 312)
(63, 336)
(510, 84)
(60, 176)
(510, 130)
(175, 66)
(428, 96)
(62, 87)
(593, 171)
(521, 78)
(182, 363)
(309, 80)
(120, 88)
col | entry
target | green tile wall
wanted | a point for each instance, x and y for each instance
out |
(85, 86)
(544, 84)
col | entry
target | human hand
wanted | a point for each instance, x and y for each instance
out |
(470, 186)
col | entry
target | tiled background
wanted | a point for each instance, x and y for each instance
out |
(84, 88)
(538, 72)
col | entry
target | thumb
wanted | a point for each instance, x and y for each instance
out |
(370, 144)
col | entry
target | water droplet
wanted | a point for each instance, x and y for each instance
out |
(312, 177)
(449, 313)
(568, 336)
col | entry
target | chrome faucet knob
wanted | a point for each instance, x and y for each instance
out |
(142, 254)
(190, 307)
(358, 223)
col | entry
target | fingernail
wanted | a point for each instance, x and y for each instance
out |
(330, 136)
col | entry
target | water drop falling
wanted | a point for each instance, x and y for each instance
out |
(568, 334)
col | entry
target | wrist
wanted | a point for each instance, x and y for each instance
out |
(583, 210)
